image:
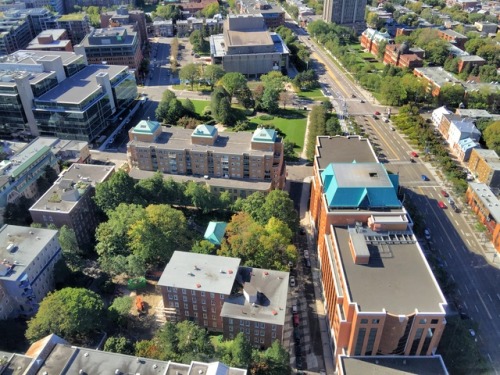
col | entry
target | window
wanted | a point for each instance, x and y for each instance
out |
(195, 307)
(214, 324)
(205, 316)
(203, 301)
(212, 295)
(262, 325)
(247, 331)
(203, 294)
(184, 299)
(212, 302)
(204, 308)
(221, 296)
(256, 339)
(247, 323)
(194, 300)
(230, 328)
(169, 289)
(423, 321)
(213, 309)
(273, 327)
(242, 322)
(186, 306)
(176, 304)
(364, 321)
(174, 290)
(195, 314)
(230, 321)
(205, 322)
(170, 297)
(376, 321)
(175, 297)
(262, 332)
(214, 317)
(371, 341)
(359, 341)
(256, 324)
(186, 313)
(273, 335)
(242, 329)
(193, 292)
(183, 291)
(434, 321)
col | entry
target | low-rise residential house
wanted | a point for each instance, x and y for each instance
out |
(485, 166)
(476, 114)
(222, 296)
(462, 128)
(486, 27)
(437, 115)
(69, 201)
(27, 259)
(486, 206)
(162, 27)
(403, 56)
(464, 147)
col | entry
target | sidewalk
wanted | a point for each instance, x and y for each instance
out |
(318, 291)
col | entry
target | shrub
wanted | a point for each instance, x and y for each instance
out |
(266, 117)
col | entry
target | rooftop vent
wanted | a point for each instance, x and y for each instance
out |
(117, 372)
(86, 355)
(155, 366)
(12, 247)
(31, 232)
(198, 285)
(274, 312)
(196, 268)
(81, 372)
(266, 273)
(230, 272)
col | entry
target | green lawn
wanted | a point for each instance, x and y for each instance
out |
(199, 105)
(315, 94)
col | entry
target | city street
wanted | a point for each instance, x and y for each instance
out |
(462, 252)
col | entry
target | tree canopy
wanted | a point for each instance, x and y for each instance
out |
(71, 313)
(119, 188)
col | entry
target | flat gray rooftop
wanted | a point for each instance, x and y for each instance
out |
(31, 57)
(487, 198)
(270, 307)
(80, 86)
(64, 194)
(17, 365)
(361, 174)
(29, 242)
(206, 273)
(249, 38)
(396, 279)
(344, 150)
(393, 365)
(226, 183)
(175, 138)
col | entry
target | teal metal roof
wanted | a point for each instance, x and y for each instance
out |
(146, 127)
(28, 163)
(360, 185)
(264, 135)
(215, 232)
(205, 131)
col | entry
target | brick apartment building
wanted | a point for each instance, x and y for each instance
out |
(69, 201)
(239, 162)
(274, 15)
(222, 296)
(51, 40)
(485, 166)
(436, 77)
(470, 61)
(123, 17)
(486, 206)
(456, 39)
(381, 297)
(401, 55)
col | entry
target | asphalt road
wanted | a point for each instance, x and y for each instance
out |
(453, 238)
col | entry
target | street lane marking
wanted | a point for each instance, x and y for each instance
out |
(467, 289)
(484, 304)
(459, 292)
(456, 221)
(452, 277)
(465, 304)
(489, 297)
(476, 307)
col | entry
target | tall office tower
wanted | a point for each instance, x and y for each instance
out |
(345, 12)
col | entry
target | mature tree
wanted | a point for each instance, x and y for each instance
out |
(451, 94)
(200, 196)
(490, 52)
(17, 213)
(198, 41)
(451, 64)
(155, 237)
(233, 82)
(153, 189)
(119, 188)
(204, 247)
(265, 246)
(212, 74)
(374, 21)
(71, 313)
(488, 73)
(190, 73)
(220, 104)
(289, 150)
(245, 97)
(333, 126)
(210, 10)
(327, 104)
(169, 109)
(414, 87)
(285, 98)
(119, 344)
(169, 12)
(492, 136)
(119, 311)
(307, 80)
(276, 361)
(392, 92)
(317, 126)
(236, 353)
(69, 245)
(274, 84)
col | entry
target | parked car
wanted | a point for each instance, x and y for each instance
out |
(444, 194)
(377, 113)
(414, 154)
(427, 234)
(472, 332)
(441, 204)
(295, 308)
(296, 320)
(425, 178)
(361, 101)
(307, 263)
(306, 254)
(292, 281)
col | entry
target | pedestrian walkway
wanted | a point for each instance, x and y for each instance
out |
(305, 222)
